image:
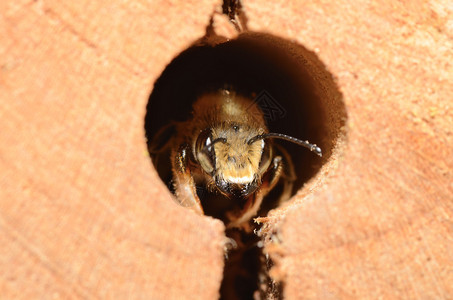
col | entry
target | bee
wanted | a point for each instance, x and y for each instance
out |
(223, 159)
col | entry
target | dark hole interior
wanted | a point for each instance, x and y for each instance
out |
(294, 89)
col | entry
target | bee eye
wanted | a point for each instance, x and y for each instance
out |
(205, 151)
(265, 158)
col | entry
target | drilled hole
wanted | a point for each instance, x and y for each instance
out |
(297, 94)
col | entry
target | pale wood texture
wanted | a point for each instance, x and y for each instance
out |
(381, 226)
(84, 215)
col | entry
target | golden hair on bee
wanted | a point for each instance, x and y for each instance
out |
(224, 108)
(226, 148)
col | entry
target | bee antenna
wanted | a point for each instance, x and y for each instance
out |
(208, 147)
(317, 150)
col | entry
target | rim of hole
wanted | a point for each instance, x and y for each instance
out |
(306, 100)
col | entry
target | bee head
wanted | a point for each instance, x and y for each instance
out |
(236, 158)
(234, 164)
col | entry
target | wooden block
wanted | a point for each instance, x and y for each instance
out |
(84, 214)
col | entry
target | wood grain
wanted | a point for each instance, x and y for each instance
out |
(84, 215)
(380, 225)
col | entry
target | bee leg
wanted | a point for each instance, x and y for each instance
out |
(270, 179)
(161, 141)
(159, 149)
(185, 190)
(287, 176)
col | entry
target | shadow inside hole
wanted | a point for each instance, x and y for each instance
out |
(305, 102)
(299, 98)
